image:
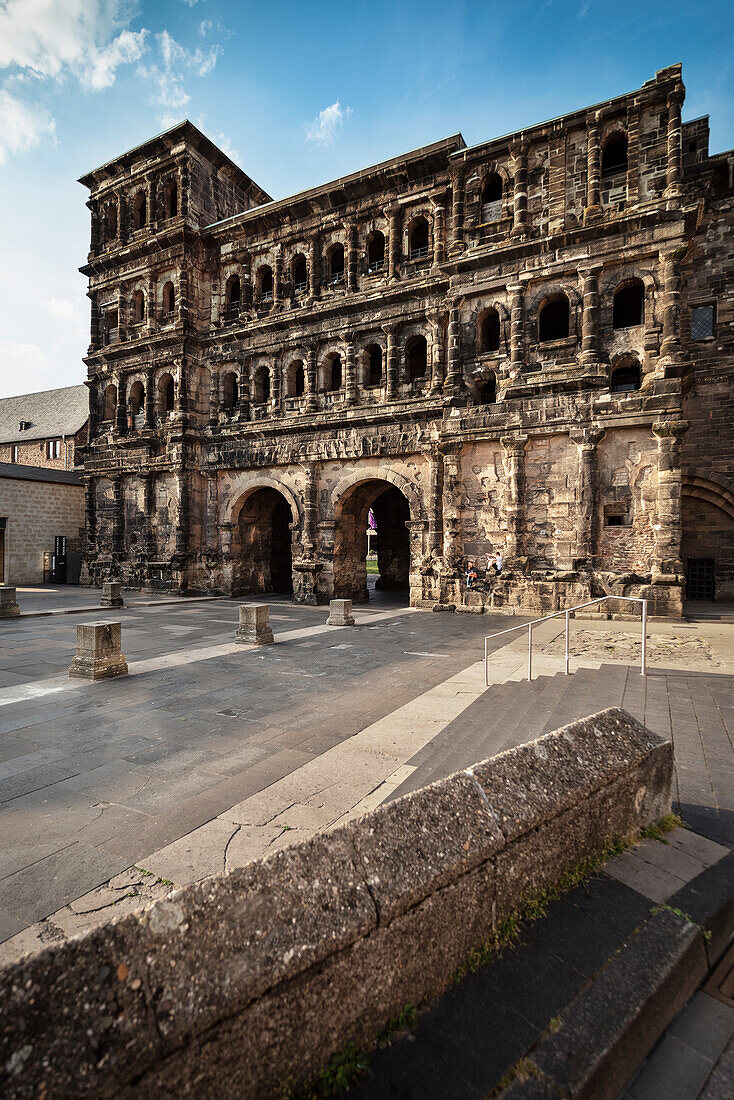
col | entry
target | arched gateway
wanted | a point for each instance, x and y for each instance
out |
(262, 555)
(392, 515)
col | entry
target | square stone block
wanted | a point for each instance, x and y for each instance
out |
(112, 594)
(254, 628)
(98, 655)
(8, 607)
(340, 613)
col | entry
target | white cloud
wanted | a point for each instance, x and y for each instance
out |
(327, 125)
(71, 311)
(169, 74)
(123, 50)
(25, 368)
(205, 27)
(21, 125)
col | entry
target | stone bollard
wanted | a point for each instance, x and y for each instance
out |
(254, 628)
(98, 655)
(340, 613)
(8, 607)
(112, 594)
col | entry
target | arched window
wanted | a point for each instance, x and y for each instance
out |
(110, 222)
(140, 210)
(233, 296)
(169, 300)
(299, 274)
(265, 283)
(109, 404)
(626, 376)
(261, 385)
(554, 319)
(373, 365)
(336, 264)
(137, 403)
(416, 357)
(138, 307)
(166, 395)
(296, 379)
(614, 155)
(487, 391)
(230, 391)
(491, 208)
(375, 252)
(489, 331)
(418, 239)
(333, 373)
(170, 199)
(629, 305)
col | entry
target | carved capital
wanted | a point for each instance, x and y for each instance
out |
(670, 429)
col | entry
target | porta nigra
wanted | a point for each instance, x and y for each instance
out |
(525, 346)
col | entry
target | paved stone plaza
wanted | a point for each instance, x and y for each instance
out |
(210, 754)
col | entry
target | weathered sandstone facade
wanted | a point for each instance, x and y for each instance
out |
(522, 346)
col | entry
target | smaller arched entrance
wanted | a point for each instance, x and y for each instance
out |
(262, 551)
(380, 509)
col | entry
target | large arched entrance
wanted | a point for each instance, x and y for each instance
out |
(707, 548)
(377, 513)
(263, 556)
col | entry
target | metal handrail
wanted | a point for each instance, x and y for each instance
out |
(567, 613)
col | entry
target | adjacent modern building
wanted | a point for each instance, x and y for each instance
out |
(523, 346)
(44, 429)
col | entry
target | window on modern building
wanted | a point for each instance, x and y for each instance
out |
(138, 305)
(614, 155)
(109, 403)
(629, 305)
(375, 252)
(703, 320)
(336, 264)
(491, 202)
(333, 374)
(373, 365)
(265, 284)
(626, 376)
(230, 391)
(110, 222)
(233, 296)
(169, 300)
(166, 395)
(487, 391)
(418, 239)
(554, 319)
(140, 210)
(489, 331)
(299, 274)
(416, 358)
(14, 452)
(170, 199)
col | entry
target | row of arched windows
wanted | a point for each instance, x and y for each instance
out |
(138, 304)
(139, 212)
(166, 397)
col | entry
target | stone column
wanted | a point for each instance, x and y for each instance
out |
(94, 398)
(514, 503)
(150, 303)
(436, 323)
(519, 154)
(278, 279)
(669, 525)
(586, 441)
(148, 479)
(352, 393)
(182, 300)
(214, 397)
(435, 502)
(593, 209)
(149, 421)
(246, 286)
(670, 349)
(152, 206)
(312, 379)
(351, 257)
(453, 373)
(391, 363)
(95, 231)
(394, 242)
(212, 508)
(121, 408)
(310, 509)
(243, 389)
(314, 267)
(457, 173)
(182, 527)
(180, 401)
(276, 388)
(94, 322)
(118, 516)
(517, 350)
(439, 232)
(675, 163)
(590, 318)
(122, 218)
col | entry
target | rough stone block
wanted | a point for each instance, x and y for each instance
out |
(98, 655)
(112, 594)
(254, 628)
(8, 606)
(340, 613)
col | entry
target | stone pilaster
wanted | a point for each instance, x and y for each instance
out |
(246, 285)
(94, 322)
(670, 349)
(457, 173)
(593, 211)
(391, 363)
(351, 257)
(151, 200)
(674, 167)
(118, 516)
(453, 545)
(436, 322)
(311, 509)
(435, 501)
(590, 318)
(276, 387)
(314, 267)
(519, 155)
(148, 479)
(245, 383)
(278, 279)
(394, 242)
(351, 372)
(95, 235)
(439, 232)
(668, 521)
(453, 373)
(212, 509)
(516, 292)
(214, 396)
(586, 441)
(149, 421)
(514, 501)
(90, 513)
(123, 220)
(121, 408)
(182, 527)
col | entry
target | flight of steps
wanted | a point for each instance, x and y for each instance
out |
(514, 712)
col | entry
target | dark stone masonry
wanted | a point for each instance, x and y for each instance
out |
(522, 346)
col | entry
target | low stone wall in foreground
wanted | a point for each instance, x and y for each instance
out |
(245, 982)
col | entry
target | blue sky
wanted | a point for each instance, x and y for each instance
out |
(297, 94)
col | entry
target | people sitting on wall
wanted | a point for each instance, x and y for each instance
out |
(496, 564)
(471, 575)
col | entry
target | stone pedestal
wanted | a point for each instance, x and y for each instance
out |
(8, 607)
(98, 655)
(340, 613)
(112, 594)
(254, 628)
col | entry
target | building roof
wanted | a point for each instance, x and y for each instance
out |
(49, 414)
(16, 471)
